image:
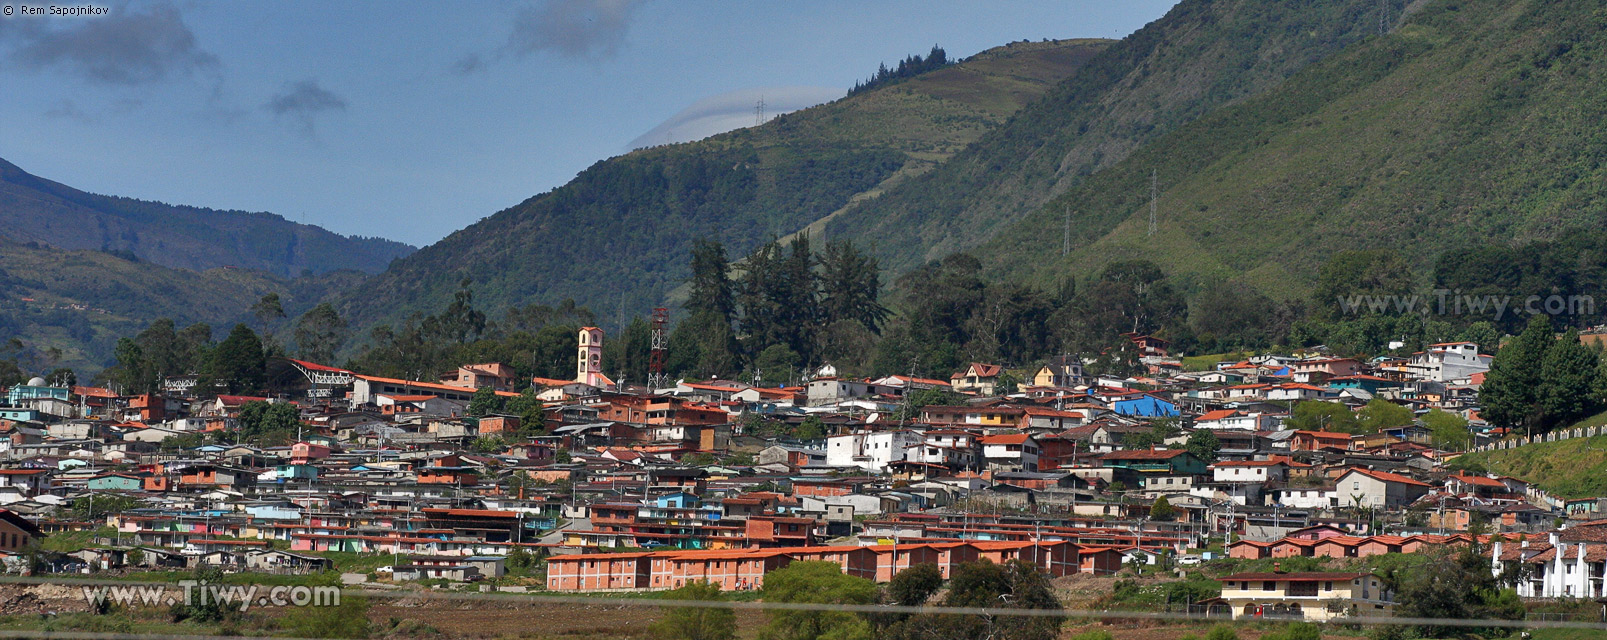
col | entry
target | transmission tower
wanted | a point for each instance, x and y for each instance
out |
(1065, 242)
(758, 112)
(1154, 194)
(655, 358)
(1383, 16)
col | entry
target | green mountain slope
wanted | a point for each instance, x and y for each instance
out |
(1202, 55)
(617, 236)
(1473, 122)
(33, 209)
(81, 302)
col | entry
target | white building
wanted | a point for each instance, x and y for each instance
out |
(1306, 497)
(1010, 452)
(824, 392)
(872, 451)
(1259, 471)
(1447, 362)
(1378, 489)
(1565, 566)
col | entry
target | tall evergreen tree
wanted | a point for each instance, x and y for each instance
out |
(1568, 381)
(780, 303)
(711, 280)
(1510, 395)
(850, 282)
(798, 299)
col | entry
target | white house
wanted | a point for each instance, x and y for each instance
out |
(1447, 362)
(1378, 489)
(869, 451)
(1234, 419)
(823, 392)
(1258, 471)
(1010, 452)
(1305, 497)
(1567, 565)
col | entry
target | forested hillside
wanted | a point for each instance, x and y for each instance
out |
(33, 209)
(1200, 56)
(616, 237)
(1472, 123)
(68, 308)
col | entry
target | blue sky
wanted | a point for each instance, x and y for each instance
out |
(410, 120)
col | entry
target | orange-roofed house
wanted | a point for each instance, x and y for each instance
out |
(1317, 440)
(978, 378)
(1378, 489)
(473, 376)
(893, 558)
(598, 572)
(1010, 452)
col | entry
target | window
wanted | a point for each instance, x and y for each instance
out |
(1268, 585)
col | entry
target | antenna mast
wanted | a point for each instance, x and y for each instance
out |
(655, 358)
(1154, 195)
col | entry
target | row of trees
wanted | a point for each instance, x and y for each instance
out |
(786, 307)
(238, 364)
(909, 67)
(1539, 381)
(1013, 585)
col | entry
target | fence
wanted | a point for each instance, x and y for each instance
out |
(1554, 436)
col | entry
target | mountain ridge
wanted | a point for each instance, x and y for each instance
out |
(37, 209)
(617, 236)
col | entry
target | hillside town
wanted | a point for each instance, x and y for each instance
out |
(630, 488)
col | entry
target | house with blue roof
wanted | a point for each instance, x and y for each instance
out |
(1145, 406)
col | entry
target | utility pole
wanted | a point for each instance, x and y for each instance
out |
(909, 390)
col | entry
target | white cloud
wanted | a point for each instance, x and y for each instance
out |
(731, 111)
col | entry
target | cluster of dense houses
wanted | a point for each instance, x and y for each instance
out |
(698, 481)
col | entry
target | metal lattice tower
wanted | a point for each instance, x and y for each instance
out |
(1065, 241)
(656, 379)
(758, 112)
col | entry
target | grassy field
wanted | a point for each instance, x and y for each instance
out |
(1207, 361)
(1568, 469)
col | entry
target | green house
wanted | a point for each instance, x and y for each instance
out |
(115, 482)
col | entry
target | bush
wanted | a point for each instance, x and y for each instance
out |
(347, 620)
(1097, 634)
(913, 586)
(1296, 631)
(1222, 632)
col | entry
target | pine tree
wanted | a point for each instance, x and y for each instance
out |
(711, 281)
(850, 282)
(1568, 376)
(1510, 395)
